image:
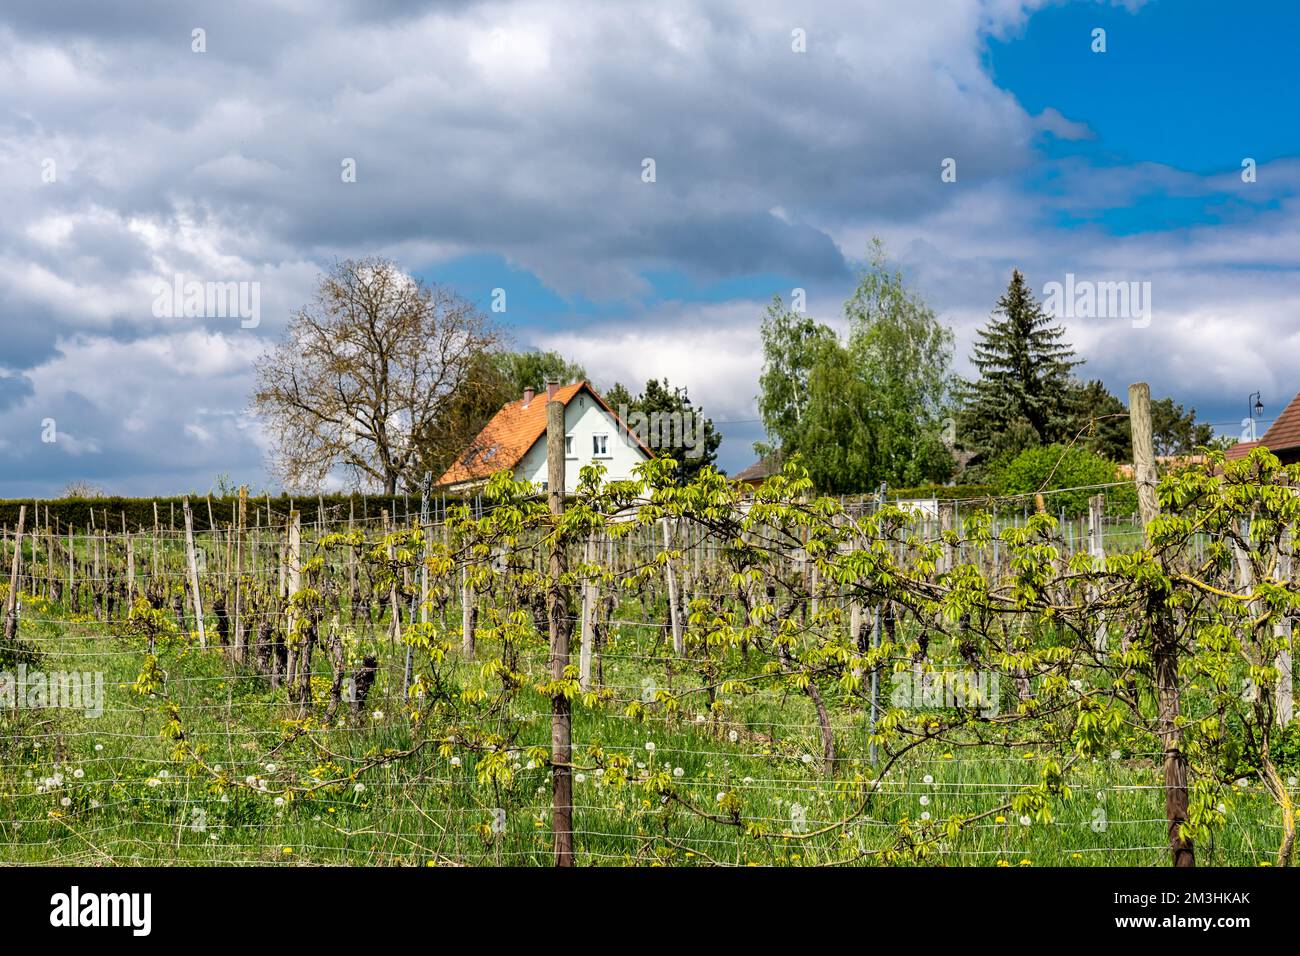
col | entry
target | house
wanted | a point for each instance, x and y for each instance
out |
(1282, 437)
(760, 471)
(515, 439)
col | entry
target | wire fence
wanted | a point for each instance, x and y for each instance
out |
(421, 730)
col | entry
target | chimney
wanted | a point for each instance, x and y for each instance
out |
(528, 396)
(552, 386)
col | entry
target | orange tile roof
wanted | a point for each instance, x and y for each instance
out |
(513, 430)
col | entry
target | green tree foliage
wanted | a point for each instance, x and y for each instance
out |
(1177, 432)
(1022, 395)
(532, 368)
(664, 418)
(792, 345)
(871, 408)
(1049, 467)
(1100, 421)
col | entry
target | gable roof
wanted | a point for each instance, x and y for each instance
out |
(513, 430)
(1282, 435)
(761, 470)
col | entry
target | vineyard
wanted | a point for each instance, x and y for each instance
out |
(652, 673)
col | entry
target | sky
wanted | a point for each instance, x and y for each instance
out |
(503, 145)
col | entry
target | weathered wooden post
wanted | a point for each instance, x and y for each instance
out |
(674, 613)
(557, 619)
(130, 569)
(589, 599)
(466, 612)
(1282, 630)
(1165, 637)
(1097, 550)
(11, 602)
(194, 572)
(241, 522)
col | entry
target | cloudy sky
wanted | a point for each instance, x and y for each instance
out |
(502, 145)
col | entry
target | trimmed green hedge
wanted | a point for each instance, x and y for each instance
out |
(139, 511)
(943, 492)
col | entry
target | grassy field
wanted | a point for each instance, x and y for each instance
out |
(107, 790)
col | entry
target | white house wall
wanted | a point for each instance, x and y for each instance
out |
(584, 418)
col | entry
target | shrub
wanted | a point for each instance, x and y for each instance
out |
(1047, 468)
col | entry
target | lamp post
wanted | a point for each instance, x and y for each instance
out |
(1253, 411)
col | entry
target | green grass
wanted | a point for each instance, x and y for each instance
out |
(133, 804)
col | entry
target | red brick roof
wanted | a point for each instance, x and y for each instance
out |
(513, 430)
(1283, 434)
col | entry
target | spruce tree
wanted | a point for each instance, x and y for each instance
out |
(1022, 396)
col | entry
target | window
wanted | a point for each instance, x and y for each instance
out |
(600, 445)
(568, 446)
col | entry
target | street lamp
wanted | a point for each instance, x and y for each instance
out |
(1253, 411)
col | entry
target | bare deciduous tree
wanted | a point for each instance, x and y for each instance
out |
(81, 488)
(363, 371)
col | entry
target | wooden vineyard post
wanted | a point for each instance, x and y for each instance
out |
(240, 522)
(72, 561)
(49, 556)
(1165, 649)
(1097, 550)
(291, 576)
(194, 572)
(1282, 630)
(395, 630)
(588, 613)
(674, 614)
(408, 674)
(557, 620)
(96, 585)
(466, 612)
(11, 602)
(130, 569)
(352, 564)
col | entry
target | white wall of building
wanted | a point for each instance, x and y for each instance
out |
(584, 419)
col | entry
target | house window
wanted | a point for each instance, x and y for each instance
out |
(600, 445)
(568, 446)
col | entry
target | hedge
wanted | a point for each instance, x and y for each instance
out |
(139, 513)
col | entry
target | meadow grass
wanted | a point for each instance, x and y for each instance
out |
(107, 790)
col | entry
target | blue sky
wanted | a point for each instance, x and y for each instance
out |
(500, 145)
